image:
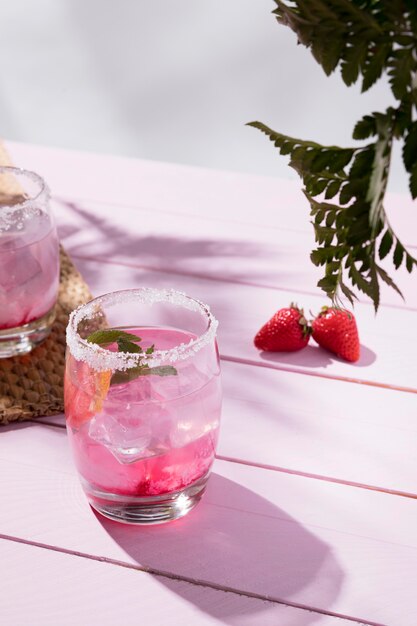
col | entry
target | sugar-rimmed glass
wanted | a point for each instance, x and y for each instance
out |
(143, 426)
(29, 261)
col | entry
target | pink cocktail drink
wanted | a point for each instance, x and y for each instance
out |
(29, 262)
(144, 438)
(29, 272)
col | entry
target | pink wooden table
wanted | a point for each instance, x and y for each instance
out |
(310, 516)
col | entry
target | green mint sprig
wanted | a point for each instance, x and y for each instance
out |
(127, 342)
(110, 336)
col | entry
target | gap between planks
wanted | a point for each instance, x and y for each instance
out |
(282, 470)
(304, 372)
(189, 580)
(328, 479)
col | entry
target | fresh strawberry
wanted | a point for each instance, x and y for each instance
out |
(286, 331)
(336, 330)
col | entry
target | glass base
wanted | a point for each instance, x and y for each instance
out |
(146, 509)
(22, 339)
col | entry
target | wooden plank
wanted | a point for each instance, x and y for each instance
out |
(388, 357)
(286, 538)
(327, 428)
(187, 190)
(46, 588)
(192, 245)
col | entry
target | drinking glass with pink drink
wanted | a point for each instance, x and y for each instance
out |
(29, 261)
(142, 402)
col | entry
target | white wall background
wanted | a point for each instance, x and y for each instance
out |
(171, 81)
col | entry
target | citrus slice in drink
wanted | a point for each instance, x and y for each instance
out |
(84, 390)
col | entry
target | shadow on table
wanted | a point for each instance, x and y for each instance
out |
(178, 254)
(313, 356)
(5, 428)
(237, 540)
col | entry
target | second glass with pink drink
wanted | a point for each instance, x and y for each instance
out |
(29, 261)
(142, 402)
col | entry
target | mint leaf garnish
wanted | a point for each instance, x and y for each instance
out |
(125, 343)
(110, 336)
(121, 378)
(163, 370)
(128, 346)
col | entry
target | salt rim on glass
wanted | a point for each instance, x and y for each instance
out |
(101, 359)
(29, 206)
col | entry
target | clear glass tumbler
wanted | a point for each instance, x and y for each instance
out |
(29, 261)
(143, 402)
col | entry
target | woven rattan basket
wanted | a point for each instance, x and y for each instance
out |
(32, 385)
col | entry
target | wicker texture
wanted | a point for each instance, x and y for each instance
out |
(32, 385)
